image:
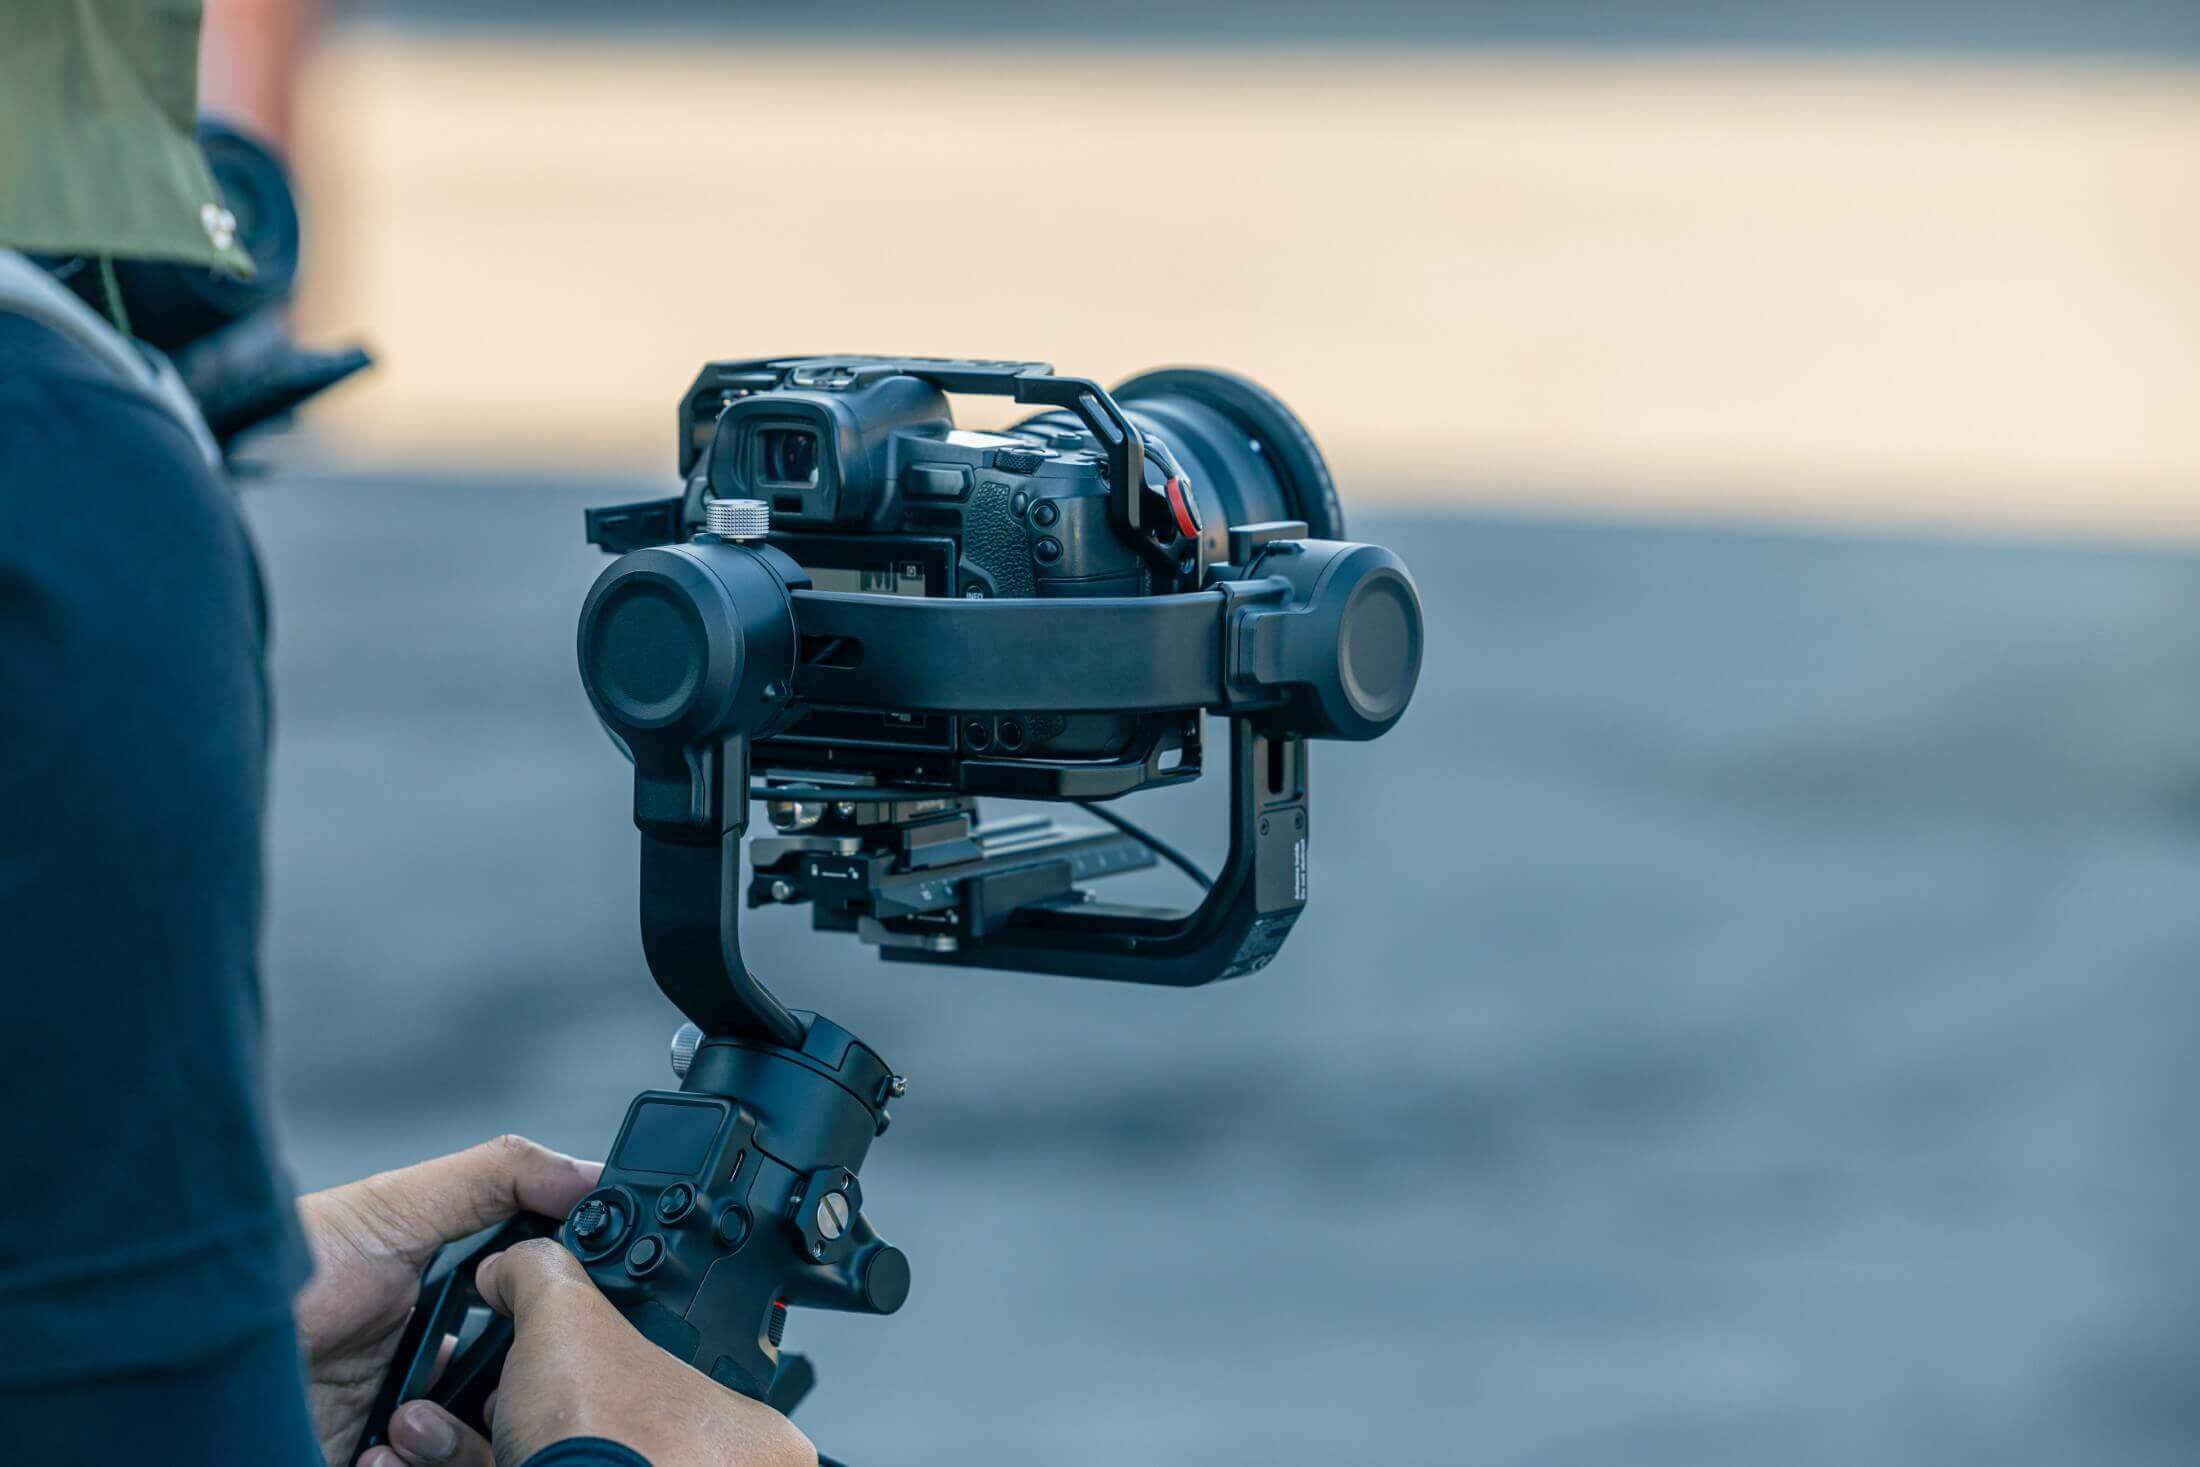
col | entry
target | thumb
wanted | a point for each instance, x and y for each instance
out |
(534, 1277)
(423, 1434)
(436, 1202)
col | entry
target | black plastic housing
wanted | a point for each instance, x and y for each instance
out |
(713, 1195)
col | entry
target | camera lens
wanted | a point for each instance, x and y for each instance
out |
(790, 456)
(1248, 457)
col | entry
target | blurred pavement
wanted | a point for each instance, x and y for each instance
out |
(1743, 1015)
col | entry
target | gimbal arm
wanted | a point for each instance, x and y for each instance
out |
(690, 651)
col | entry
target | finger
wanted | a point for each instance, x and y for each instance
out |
(423, 1434)
(533, 1275)
(489, 1411)
(439, 1201)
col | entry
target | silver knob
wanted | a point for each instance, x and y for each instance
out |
(685, 1041)
(737, 519)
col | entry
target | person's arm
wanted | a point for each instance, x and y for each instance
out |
(243, 1408)
(245, 1405)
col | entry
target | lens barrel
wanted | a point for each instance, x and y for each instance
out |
(1248, 457)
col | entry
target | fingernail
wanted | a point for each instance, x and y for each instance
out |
(424, 1432)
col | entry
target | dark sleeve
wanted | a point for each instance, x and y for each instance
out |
(586, 1451)
(245, 1407)
(151, 1230)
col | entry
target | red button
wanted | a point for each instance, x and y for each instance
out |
(1187, 518)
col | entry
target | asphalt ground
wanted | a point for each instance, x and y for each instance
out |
(1743, 1013)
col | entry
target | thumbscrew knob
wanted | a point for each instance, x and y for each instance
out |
(738, 519)
(685, 1041)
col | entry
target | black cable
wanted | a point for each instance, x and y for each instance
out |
(1151, 842)
(860, 794)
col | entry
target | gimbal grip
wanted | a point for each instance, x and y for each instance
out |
(448, 1295)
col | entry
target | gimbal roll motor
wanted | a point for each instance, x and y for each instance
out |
(868, 618)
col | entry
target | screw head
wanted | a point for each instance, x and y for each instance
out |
(897, 1086)
(832, 1215)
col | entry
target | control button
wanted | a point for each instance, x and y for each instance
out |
(592, 1219)
(675, 1202)
(648, 1251)
(1017, 502)
(977, 735)
(1047, 551)
(733, 1226)
(600, 1222)
(1185, 508)
(886, 1280)
(1045, 513)
(938, 481)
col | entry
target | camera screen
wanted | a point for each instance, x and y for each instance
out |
(671, 1136)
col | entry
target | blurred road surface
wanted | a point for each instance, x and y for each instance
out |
(1743, 1015)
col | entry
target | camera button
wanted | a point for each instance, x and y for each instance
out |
(1045, 513)
(674, 1202)
(1017, 502)
(1048, 550)
(648, 1251)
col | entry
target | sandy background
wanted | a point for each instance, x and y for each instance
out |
(1862, 288)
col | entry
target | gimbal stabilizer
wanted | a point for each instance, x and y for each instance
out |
(737, 1195)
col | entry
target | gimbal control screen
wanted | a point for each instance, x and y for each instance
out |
(672, 1136)
(893, 578)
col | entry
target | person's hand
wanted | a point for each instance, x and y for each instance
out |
(578, 1369)
(371, 1240)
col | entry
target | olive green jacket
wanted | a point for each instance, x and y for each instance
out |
(98, 99)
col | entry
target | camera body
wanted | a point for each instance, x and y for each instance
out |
(872, 489)
(866, 473)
